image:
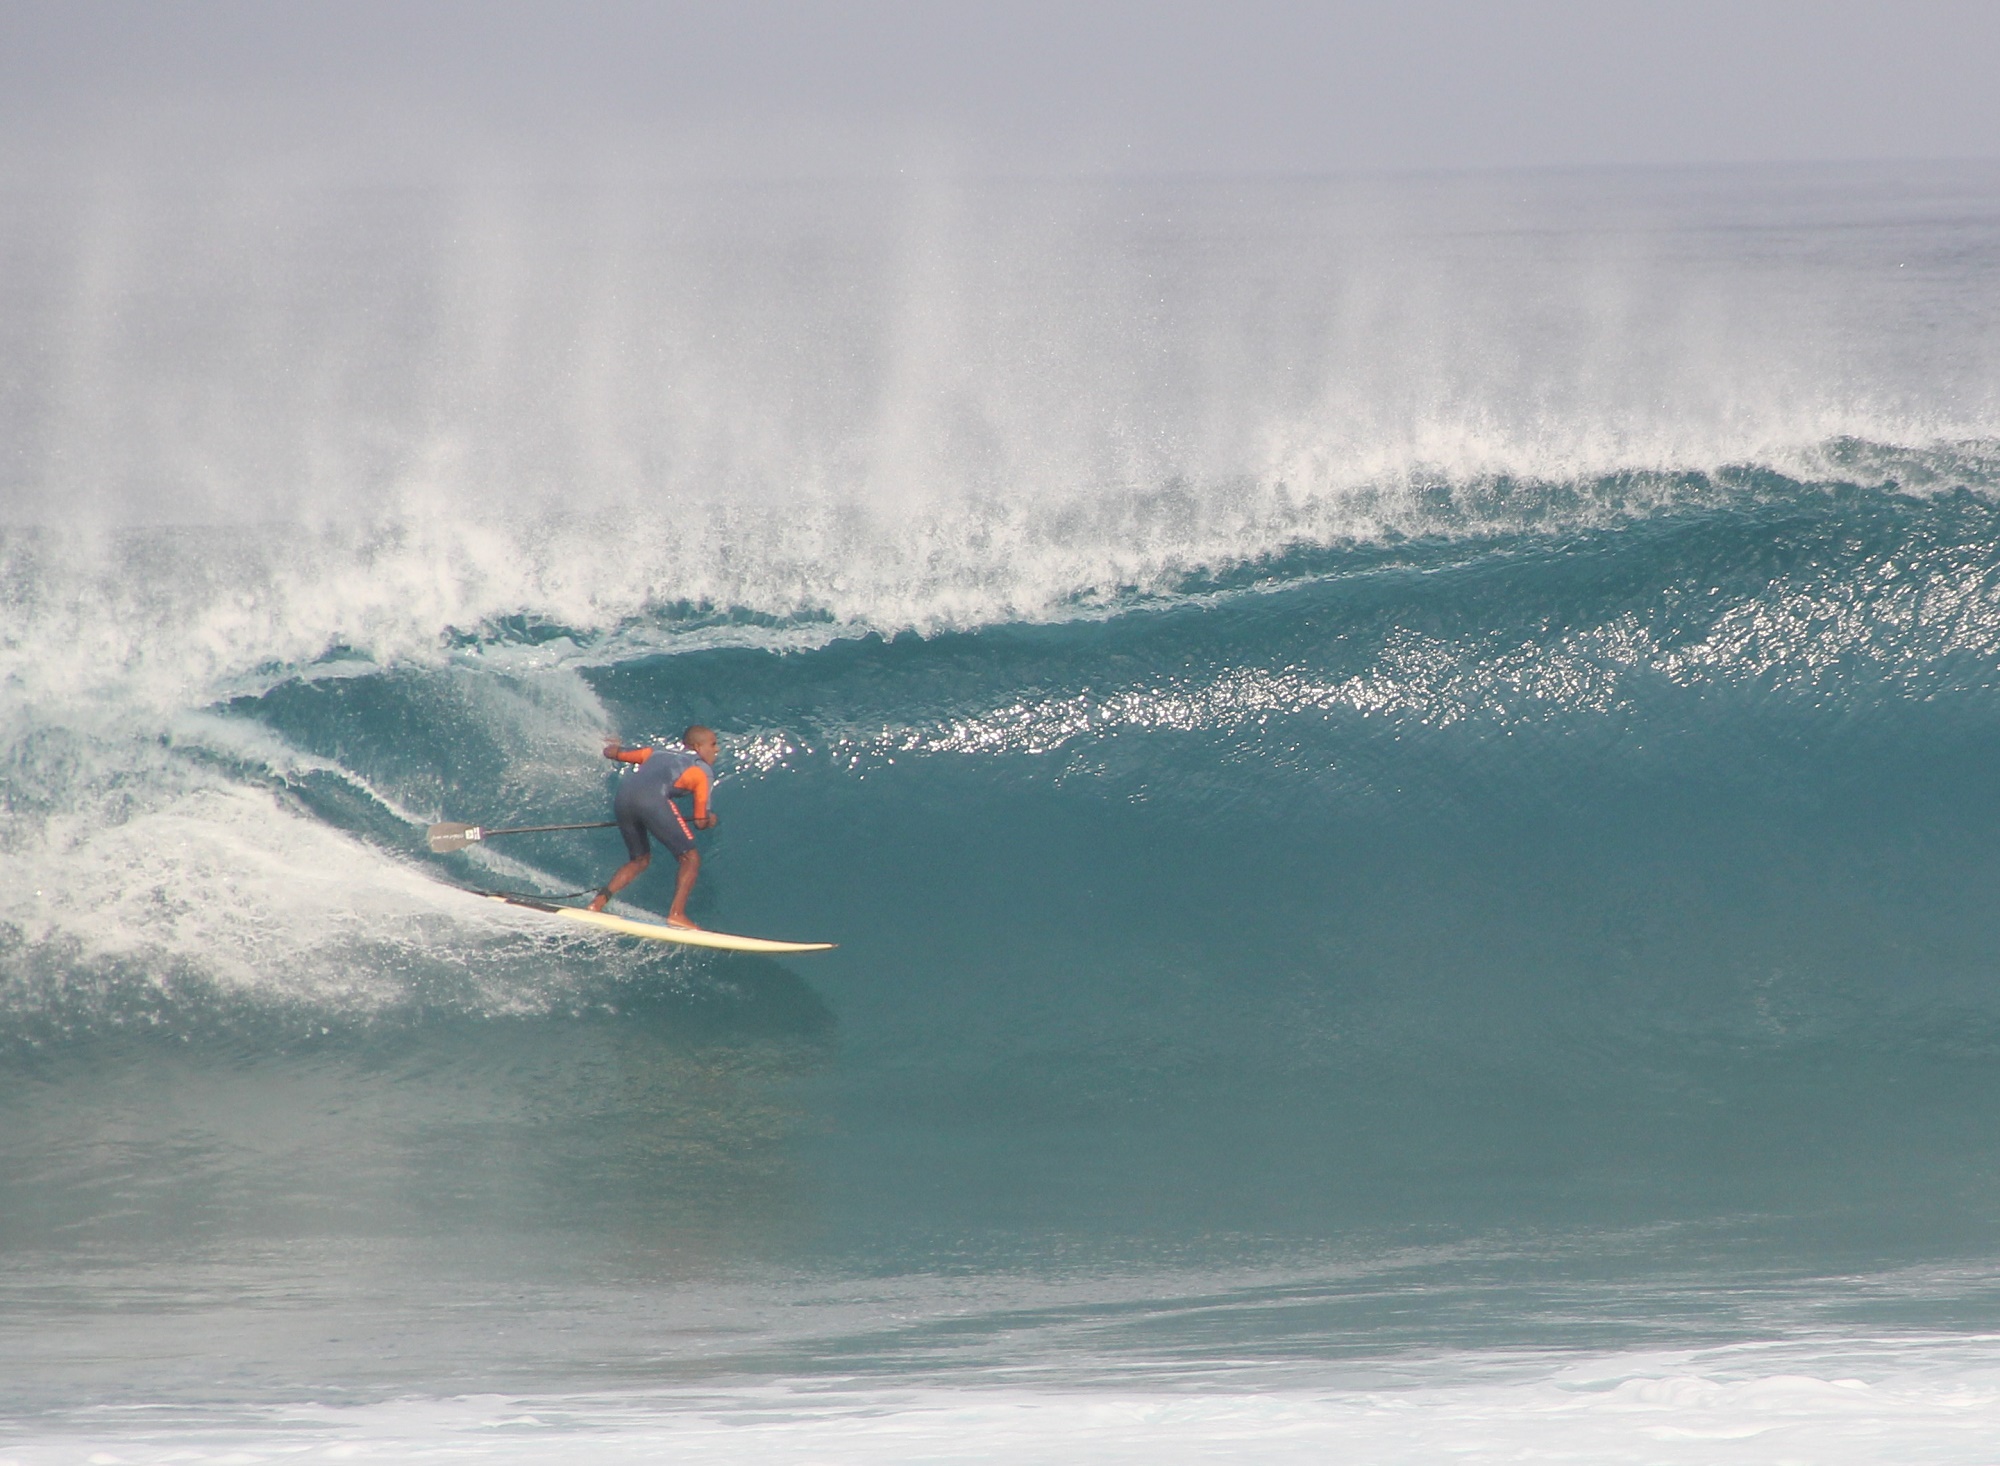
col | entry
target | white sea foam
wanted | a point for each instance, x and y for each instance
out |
(1829, 1402)
(167, 621)
(163, 621)
(142, 860)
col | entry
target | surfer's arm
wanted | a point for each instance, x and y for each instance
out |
(695, 781)
(627, 755)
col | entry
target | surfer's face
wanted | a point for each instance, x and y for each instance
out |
(705, 746)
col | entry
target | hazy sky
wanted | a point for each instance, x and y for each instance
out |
(1027, 86)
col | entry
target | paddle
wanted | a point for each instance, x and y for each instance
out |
(446, 838)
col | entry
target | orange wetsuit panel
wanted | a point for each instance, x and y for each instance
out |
(694, 779)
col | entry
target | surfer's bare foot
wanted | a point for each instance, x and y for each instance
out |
(681, 923)
(599, 903)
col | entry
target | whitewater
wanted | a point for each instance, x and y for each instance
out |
(1403, 769)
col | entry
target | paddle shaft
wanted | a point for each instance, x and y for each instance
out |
(545, 829)
(446, 838)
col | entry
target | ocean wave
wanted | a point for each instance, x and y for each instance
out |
(172, 618)
(237, 732)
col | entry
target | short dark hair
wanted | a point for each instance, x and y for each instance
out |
(694, 731)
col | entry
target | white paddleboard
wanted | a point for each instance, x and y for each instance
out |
(659, 931)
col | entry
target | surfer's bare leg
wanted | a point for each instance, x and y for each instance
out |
(683, 883)
(627, 873)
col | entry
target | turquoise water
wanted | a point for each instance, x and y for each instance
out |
(1488, 922)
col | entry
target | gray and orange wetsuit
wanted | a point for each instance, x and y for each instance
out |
(645, 800)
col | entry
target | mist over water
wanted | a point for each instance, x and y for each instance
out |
(1402, 770)
(244, 348)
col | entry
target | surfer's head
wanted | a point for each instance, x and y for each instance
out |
(702, 741)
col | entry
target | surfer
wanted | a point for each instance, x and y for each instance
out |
(644, 807)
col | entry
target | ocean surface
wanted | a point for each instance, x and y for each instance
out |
(1406, 774)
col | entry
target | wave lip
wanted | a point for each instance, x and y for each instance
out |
(169, 619)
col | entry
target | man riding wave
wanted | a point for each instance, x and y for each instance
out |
(645, 809)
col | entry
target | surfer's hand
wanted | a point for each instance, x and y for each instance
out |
(612, 748)
(706, 822)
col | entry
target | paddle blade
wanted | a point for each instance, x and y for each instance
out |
(447, 838)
